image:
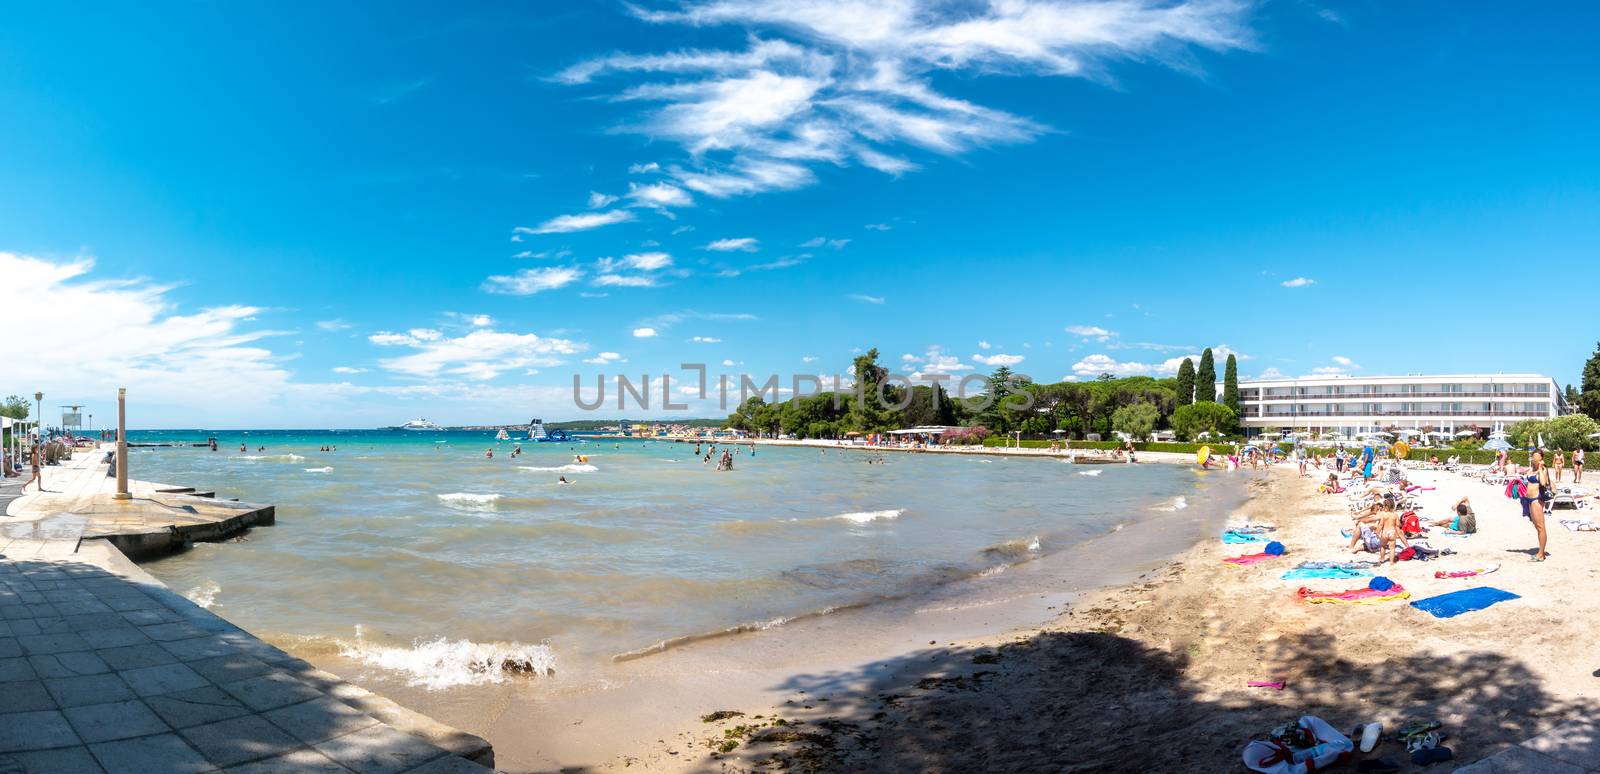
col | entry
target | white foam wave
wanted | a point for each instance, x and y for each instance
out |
(328, 469)
(1178, 504)
(468, 501)
(863, 517)
(1090, 472)
(572, 468)
(274, 457)
(205, 594)
(442, 663)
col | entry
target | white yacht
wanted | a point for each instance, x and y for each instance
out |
(420, 424)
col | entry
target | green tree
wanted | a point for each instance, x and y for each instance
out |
(1205, 379)
(1204, 417)
(872, 407)
(1568, 432)
(1137, 420)
(1571, 395)
(1589, 395)
(1230, 384)
(15, 406)
(1186, 382)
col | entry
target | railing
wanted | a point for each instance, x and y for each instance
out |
(1301, 414)
(1465, 396)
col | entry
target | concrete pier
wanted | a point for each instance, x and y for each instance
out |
(103, 668)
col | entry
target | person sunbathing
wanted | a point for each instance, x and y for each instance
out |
(1465, 521)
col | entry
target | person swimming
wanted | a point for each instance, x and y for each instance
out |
(488, 454)
(563, 480)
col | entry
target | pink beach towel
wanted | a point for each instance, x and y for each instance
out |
(1250, 559)
(1353, 596)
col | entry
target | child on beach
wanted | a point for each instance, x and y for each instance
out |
(1389, 533)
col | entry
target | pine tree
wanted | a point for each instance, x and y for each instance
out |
(1205, 379)
(1185, 384)
(1230, 384)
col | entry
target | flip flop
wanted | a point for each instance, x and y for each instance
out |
(1370, 734)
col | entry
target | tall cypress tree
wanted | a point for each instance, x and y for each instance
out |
(1205, 379)
(1185, 383)
(1589, 399)
(1230, 384)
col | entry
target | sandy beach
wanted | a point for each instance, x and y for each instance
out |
(1151, 675)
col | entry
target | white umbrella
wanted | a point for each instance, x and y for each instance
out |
(1594, 435)
(1497, 444)
(1465, 433)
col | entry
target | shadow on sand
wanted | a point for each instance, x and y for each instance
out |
(1087, 701)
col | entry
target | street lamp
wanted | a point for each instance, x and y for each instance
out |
(38, 402)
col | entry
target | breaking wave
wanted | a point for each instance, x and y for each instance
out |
(328, 469)
(1178, 504)
(863, 517)
(572, 468)
(1090, 472)
(205, 594)
(467, 501)
(441, 663)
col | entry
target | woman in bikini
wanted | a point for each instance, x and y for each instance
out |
(1536, 493)
(1577, 465)
(1561, 462)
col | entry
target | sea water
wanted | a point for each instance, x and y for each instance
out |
(417, 554)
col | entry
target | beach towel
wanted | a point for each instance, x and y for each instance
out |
(1464, 601)
(1323, 573)
(1230, 537)
(1465, 573)
(1355, 565)
(1239, 561)
(1361, 596)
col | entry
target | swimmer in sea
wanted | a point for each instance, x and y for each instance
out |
(489, 454)
(563, 480)
(241, 448)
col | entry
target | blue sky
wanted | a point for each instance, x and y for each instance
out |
(302, 215)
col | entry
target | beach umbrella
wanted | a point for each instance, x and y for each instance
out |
(1497, 444)
(1594, 435)
(1465, 433)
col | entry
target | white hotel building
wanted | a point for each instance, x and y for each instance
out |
(1354, 405)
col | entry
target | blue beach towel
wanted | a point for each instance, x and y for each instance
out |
(1464, 601)
(1323, 573)
(1231, 537)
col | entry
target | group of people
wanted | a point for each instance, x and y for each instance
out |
(725, 461)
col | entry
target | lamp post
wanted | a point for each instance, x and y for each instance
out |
(38, 403)
(122, 445)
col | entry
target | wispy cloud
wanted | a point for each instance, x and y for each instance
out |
(605, 358)
(866, 299)
(348, 370)
(659, 195)
(333, 325)
(824, 241)
(1091, 332)
(526, 282)
(848, 82)
(706, 340)
(562, 224)
(745, 244)
(598, 200)
(878, 227)
(1298, 282)
(1344, 361)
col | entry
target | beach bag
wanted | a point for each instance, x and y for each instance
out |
(1328, 747)
(1410, 524)
(1514, 488)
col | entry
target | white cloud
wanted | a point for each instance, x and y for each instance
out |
(1270, 373)
(644, 333)
(1094, 365)
(130, 335)
(706, 340)
(808, 359)
(743, 244)
(983, 345)
(1091, 332)
(1328, 371)
(598, 200)
(648, 261)
(934, 361)
(479, 355)
(605, 358)
(814, 242)
(728, 363)
(1344, 361)
(866, 299)
(624, 281)
(878, 226)
(640, 169)
(562, 224)
(348, 370)
(836, 83)
(1298, 282)
(332, 325)
(659, 195)
(997, 360)
(482, 320)
(529, 281)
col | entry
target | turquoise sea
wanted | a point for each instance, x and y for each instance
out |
(416, 552)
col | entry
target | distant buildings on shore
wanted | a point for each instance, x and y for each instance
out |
(1355, 405)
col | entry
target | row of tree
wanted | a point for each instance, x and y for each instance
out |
(1587, 400)
(1136, 405)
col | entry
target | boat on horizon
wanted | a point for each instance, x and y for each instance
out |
(420, 424)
